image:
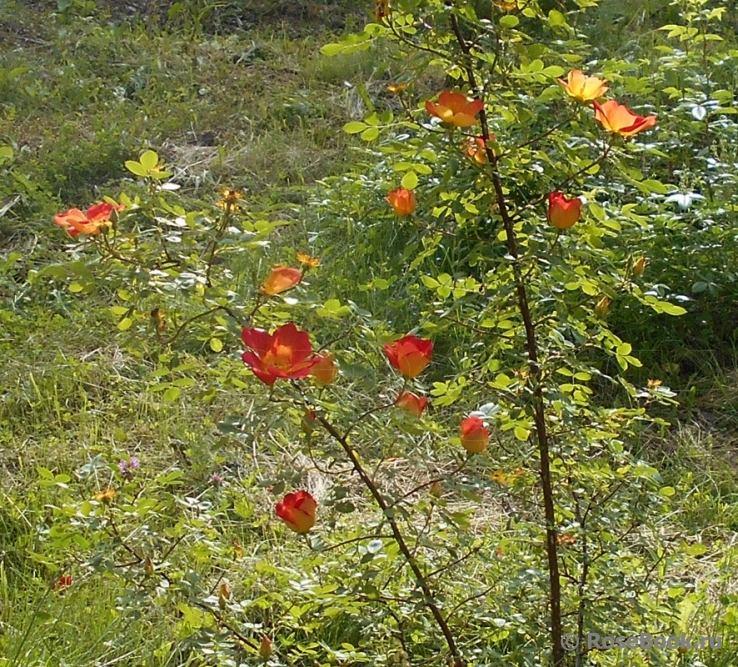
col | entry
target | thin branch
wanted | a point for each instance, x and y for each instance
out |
(429, 598)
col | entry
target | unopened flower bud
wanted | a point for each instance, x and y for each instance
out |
(309, 422)
(265, 648)
(603, 306)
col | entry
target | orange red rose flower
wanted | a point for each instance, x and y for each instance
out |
(617, 118)
(286, 353)
(412, 403)
(563, 212)
(474, 435)
(326, 370)
(281, 279)
(475, 148)
(403, 201)
(409, 355)
(297, 510)
(90, 223)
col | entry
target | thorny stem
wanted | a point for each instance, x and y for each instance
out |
(205, 313)
(539, 416)
(184, 324)
(214, 243)
(399, 538)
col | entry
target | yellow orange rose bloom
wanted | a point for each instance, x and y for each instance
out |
(582, 87)
(455, 109)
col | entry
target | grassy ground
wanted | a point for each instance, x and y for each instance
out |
(258, 109)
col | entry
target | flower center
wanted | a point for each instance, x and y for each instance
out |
(280, 357)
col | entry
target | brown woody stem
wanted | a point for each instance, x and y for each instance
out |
(539, 417)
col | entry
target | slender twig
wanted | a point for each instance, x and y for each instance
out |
(114, 253)
(583, 577)
(224, 623)
(365, 414)
(189, 321)
(431, 482)
(214, 243)
(429, 597)
(455, 562)
(476, 596)
(412, 44)
(129, 549)
(534, 140)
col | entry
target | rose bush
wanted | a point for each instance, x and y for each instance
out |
(443, 558)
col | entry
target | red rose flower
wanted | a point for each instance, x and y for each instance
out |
(563, 212)
(474, 435)
(412, 403)
(297, 510)
(409, 355)
(284, 354)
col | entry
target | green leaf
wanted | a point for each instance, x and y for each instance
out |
(624, 349)
(76, 288)
(554, 71)
(370, 134)
(125, 324)
(149, 160)
(696, 549)
(55, 271)
(331, 49)
(136, 168)
(354, 127)
(672, 309)
(333, 309)
(172, 394)
(653, 185)
(556, 18)
(509, 21)
(521, 433)
(409, 180)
